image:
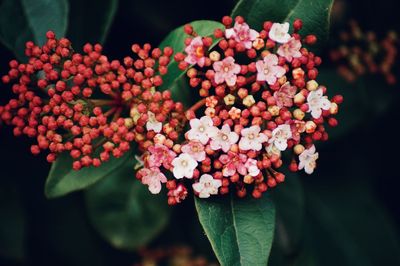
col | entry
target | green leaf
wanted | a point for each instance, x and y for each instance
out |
(289, 203)
(63, 179)
(240, 230)
(314, 13)
(90, 21)
(124, 212)
(14, 35)
(24, 20)
(45, 15)
(175, 79)
(12, 223)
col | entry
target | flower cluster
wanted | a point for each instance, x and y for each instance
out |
(86, 105)
(361, 53)
(258, 98)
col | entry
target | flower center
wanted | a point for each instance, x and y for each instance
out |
(201, 128)
(184, 163)
(199, 51)
(224, 137)
(226, 69)
(266, 70)
(251, 136)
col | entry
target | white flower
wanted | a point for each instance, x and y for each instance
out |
(153, 123)
(280, 136)
(316, 102)
(207, 186)
(279, 32)
(252, 167)
(184, 166)
(252, 139)
(200, 129)
(223, 139)
(308, 160)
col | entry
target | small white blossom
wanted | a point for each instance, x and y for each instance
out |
(252, 139)
(153, 123)
(317, 102)
(308, 160)
(280, 136)
(184, 166)
(279, 32)
(223, 139)
(207, 186)
(200, 129)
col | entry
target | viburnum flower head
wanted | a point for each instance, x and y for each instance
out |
(252, 139)
(207, 186)
(317, 102)
(226, 71)
(308, 160)
(290, 50)
(279, 32)
(184, 166)
(200, 129)
(242, 34)
(153, 178)
(195, 52)
(268, 69)
(223, 138)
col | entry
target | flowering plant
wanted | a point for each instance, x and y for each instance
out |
(255, 109)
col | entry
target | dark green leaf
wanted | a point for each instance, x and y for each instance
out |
(314, 13)
(24, 20)
(240, 230)
(45, 15)
(12, 223)
(14, 35)
(90, 21)
(175, 79)
(124, 212)
(289, 203)
(63, 179)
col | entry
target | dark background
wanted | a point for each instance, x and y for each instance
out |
(352, 210)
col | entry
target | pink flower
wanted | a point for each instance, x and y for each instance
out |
(242, 33)
(200, 129)
(153, 178)
(160, 155)
(268, 70)
(307, 160)
(252, 168)
(223, 139)
(207, 186)
(225, 71)
(195, 149)
(195, 52)
(233, 162)
(284, 96)
(317, 102)
(152, 123)
(297, 127)
(179, 193)
(252, 139)
(290, 50)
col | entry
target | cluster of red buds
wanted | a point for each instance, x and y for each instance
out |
(360, 53)
(258, 98)
(85, 105)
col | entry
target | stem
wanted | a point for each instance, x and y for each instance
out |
(197, 105)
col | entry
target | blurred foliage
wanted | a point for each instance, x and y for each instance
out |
(347, 213)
